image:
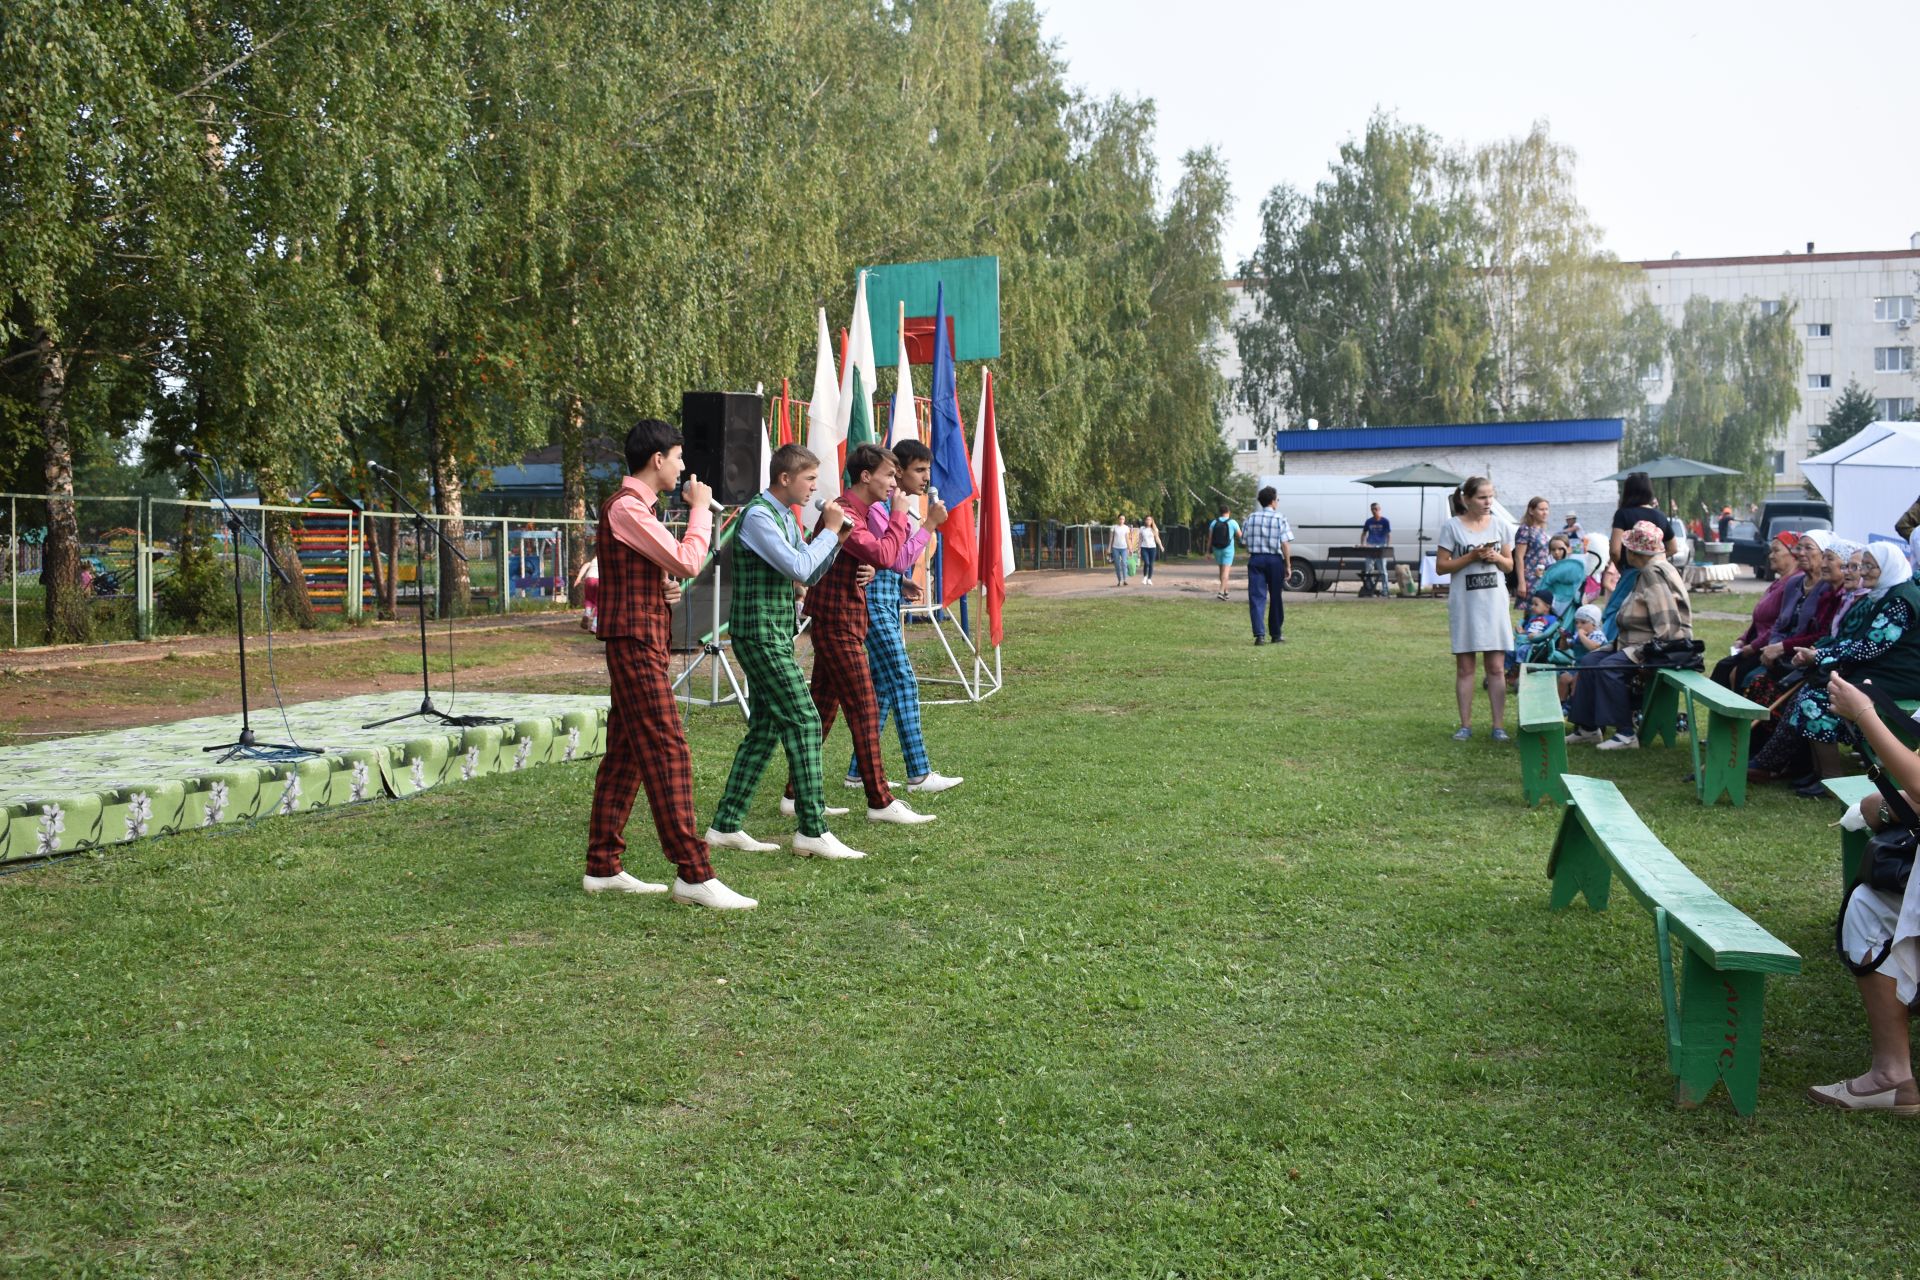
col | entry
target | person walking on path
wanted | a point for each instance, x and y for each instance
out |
(1117, 550)
(1377, 531)
(640, 564)
(894, 683)
(1476, 546)
(1269, 562)
(1149, 549)
(1222, 534)
(770, 557)
(1531, 556)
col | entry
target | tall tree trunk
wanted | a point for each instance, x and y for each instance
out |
(68, 616)
(455, 588)
(372, 544)
(573, 492)
(280, 545)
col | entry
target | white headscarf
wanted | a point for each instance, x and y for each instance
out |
(1894, 566)
(1821, 538)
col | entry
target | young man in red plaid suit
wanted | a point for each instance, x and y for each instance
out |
(640, 568)
(838, 606)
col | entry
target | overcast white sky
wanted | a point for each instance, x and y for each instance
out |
(1706, 127)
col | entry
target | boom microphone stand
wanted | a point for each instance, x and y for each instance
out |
(421, 528)
(247, 745)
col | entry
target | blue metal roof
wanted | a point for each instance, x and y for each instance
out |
(1453, 435)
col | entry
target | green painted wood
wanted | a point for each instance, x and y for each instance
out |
(1576, 866)
(1660, 714)
(1720, 932)
(1719, 697)
(1541, 744)
(1853, 844)
(1669, 996)
(973, 304)
(1720, 1020)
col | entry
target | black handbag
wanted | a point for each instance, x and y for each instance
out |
(1887, 863)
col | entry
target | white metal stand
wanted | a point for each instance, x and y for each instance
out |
(977, 679)
(713, 654)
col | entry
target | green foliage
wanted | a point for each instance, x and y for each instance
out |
(196, 596)
(1735, 383)
(1854, 409)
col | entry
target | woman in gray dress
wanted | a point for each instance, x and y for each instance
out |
(1476, 547)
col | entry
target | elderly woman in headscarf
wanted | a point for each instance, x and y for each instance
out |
(1798, 627)
(1878, 642)
(1656, 608)
(1776, 607)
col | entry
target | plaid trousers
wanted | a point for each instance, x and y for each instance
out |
(841, 680)
(781, 712)
(894, 685)
(645, 747)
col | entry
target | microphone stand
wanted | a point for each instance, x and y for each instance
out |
(247, 745)
(421, 528)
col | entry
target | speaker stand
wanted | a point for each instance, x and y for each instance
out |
(713, 655)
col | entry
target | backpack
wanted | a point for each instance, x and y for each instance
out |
(1222, 535)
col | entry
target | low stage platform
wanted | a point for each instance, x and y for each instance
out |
(67, 794)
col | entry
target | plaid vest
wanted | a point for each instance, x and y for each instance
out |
(837, 601)
(762, 611)
(633, 589)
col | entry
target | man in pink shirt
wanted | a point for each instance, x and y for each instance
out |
(640, 565)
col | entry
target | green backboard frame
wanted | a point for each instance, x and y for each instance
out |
(973, 304)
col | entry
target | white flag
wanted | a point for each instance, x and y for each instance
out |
(823, 416)
(859, 356)
(906, 425)
(979, 447)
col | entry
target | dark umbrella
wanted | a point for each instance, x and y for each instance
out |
(1416, 475)
(1670, 469)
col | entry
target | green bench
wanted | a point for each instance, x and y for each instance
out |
(1542, 744)
(1853, 844)
(1719, 755)
(1713, 1019)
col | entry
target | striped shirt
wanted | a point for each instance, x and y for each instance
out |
(1266, 531)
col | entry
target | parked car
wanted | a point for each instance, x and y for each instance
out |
(1778, 517)
(1327, 512)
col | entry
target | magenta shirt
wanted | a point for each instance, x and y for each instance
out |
(878, 519)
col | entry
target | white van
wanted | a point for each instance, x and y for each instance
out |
(1327, 511)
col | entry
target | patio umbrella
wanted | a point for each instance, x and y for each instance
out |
(1670, 469)
(1415, 475)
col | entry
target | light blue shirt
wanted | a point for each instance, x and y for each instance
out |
(775, 538)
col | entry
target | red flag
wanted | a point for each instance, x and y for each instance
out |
(840, 461)
(994, 530)
(786, 425)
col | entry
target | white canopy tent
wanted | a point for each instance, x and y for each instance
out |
(1871, 479)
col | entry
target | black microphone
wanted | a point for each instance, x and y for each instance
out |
(184, 451)
(375, 466)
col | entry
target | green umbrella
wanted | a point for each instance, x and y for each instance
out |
(1416, 475)
(1670, 468)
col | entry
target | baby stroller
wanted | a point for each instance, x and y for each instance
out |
(1566, 581)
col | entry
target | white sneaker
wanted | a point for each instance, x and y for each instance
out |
(1581, 736)
(737, 840)
(1621, 742)
(711, 893)
(933, 782)
(622, 883)
(898, 812)
(824, 845)
(853, 784)
(787, 809)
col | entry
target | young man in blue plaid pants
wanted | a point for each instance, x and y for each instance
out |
(894, 685)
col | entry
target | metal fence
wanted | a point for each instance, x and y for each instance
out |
(134, 555)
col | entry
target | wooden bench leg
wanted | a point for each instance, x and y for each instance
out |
(1723, 759)
(1720, 1016)
(1543, 759)
(1660, 714)
(1853, 847)
(1577, 867)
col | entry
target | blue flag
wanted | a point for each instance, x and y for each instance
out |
(952, 475)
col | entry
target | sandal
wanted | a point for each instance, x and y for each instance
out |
(1841, 1097)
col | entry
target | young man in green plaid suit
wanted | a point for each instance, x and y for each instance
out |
(769, 557)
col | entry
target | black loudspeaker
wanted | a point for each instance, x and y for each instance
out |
(722, 434)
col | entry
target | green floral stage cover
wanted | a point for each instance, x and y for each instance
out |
(105, 788)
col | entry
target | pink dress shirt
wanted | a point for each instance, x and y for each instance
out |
(879, 520)
(631, 519)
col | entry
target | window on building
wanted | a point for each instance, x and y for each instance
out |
(1246, 446)
(1771, 308)
(1654, 413)
(1819, 331)
(1779, 462)
(1653, 372)
(1893, 359)
(1898, 409)
(1819, 381)
(1893, 308)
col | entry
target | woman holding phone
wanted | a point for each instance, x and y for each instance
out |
(1476, 547)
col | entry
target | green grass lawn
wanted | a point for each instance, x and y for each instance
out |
(1224, 962)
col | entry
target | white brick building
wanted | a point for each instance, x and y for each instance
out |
(1856, 314)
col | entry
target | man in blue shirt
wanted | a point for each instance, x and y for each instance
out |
(1269, 565)
(1376, 532)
